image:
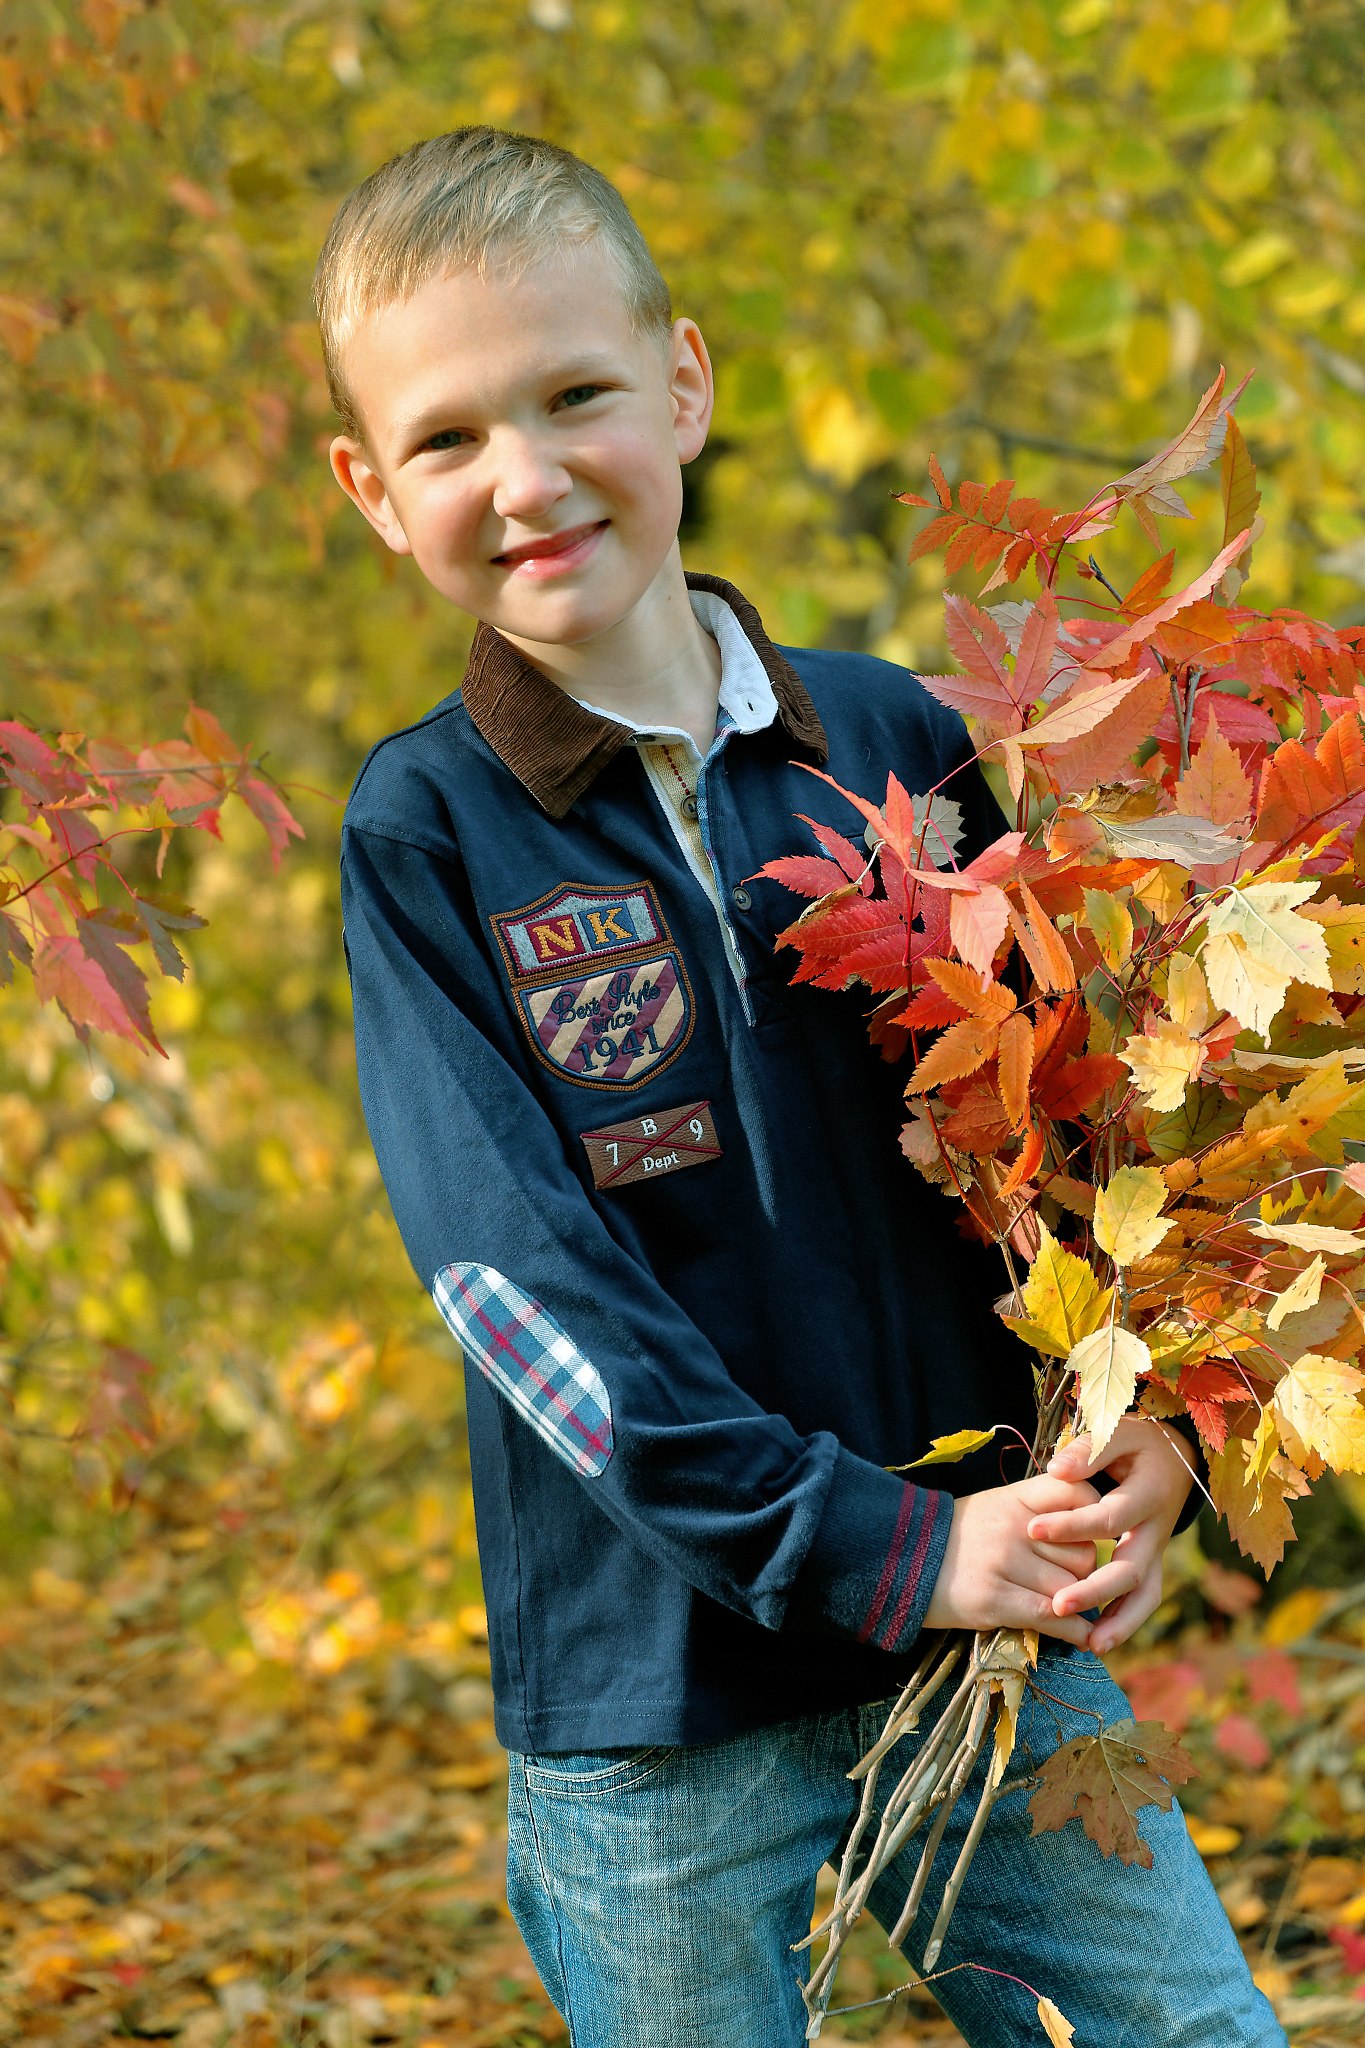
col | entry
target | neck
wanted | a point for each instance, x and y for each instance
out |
(658, 665)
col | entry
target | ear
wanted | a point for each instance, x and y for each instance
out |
(365, 487)
(691, 389)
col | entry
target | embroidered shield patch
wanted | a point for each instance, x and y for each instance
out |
(602, 992)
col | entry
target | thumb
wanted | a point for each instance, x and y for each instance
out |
(1071, 1460)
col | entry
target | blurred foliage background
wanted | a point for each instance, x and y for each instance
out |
(1021, 235)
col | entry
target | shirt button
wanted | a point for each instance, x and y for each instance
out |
(740, 897)
(688, 806)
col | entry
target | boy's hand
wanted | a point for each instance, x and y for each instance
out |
(993, 1576)
(1153, 1479)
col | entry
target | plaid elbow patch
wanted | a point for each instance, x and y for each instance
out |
(886, 1618)
(520, 1347)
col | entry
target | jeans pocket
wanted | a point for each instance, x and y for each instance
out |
(583, 1774)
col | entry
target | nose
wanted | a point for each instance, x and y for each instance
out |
(529, 478)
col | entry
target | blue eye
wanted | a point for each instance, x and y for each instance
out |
(446, 435)
(576, 389)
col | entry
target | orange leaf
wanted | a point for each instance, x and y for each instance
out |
(1149, 586)
(963, 987)
(945, 496)
(1027, 1164)
(1061, 974)
(1303, 790)
(961, 1050)
(1014, 1065)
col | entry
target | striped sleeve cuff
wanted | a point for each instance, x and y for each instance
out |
(870, 1571)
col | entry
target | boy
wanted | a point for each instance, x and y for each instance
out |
(656, 1192)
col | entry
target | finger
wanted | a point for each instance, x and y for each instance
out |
(1038, 1575)
(1023, 1609)
(1075, 1560)
(1110, 1582)
(1120, 1621)
(1110, 1517)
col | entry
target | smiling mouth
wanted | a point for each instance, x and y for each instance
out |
(553, 545)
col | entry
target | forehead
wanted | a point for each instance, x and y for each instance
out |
(482, 342)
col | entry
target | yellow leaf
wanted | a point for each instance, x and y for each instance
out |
(1062, 1299)
(1187, 994)
(1318, 1113)
(1112, 924)
(1263, 1448)
(1256, 945)
(1164, 1062)
(1300, 1293)
(1056, 2026)
(1318, 1399)
(1259, 1527)
(1107, 1364)
(1310, 1237)
(1343, 926)
(946, 1450)
(1128, 1221)
(1211, 1837)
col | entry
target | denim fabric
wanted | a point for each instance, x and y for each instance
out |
(659, 1891)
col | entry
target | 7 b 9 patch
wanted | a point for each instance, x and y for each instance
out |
(599, 984)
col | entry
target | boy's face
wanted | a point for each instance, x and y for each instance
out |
(502, 413)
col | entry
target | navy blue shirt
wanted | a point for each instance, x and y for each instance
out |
(703, 1299)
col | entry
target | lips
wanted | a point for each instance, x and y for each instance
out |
(553, 544)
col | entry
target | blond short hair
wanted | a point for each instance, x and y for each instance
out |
(456, 202)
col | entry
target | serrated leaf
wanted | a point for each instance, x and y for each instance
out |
(946, 1450)
(1055, 2024)
(1014, 1067)
(1105, 1780)
(1259, 1527)
(1107, 1364)
(960, 1051)
(1301, 1293)
(1343, 927)
(1163, 1063)
(1319, 1398)
(1215, 786)
(1061, 1298)
(1188, 842)
(1128, 1219)
(1311, 1237)
(1111, 921)
(1256, 944)
(1187, 994)
(978, 921)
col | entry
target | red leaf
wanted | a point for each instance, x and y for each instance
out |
(64, 973)
(1166, 1692)
(1271, 1675)
(940, 482)
(206, 734)
(267, 805)
(1352, 1946)
(978, 922)
(1238, 1736)
(854, 863)
(805, 873)
(1078, 1083)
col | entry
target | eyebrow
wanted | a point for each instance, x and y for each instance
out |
(579, 370)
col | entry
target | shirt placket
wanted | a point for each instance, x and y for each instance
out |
(677, 774)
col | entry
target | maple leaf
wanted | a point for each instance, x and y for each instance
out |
(1107, 1365)
(1105, 1780)
(1128, 1218)
(803, 873)
(269, 808)
(1256, 944)
(1261, 1525)
(65, 971)
(1317, 1404)
(1163, 1063)
(1070, 1088)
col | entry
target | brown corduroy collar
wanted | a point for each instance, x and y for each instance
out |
(557, 747)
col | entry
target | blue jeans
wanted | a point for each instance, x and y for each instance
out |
(660, 1891)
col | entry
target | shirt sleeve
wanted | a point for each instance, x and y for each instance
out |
(569, 1327)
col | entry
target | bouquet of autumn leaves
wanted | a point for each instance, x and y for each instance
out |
(1137, 1037)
